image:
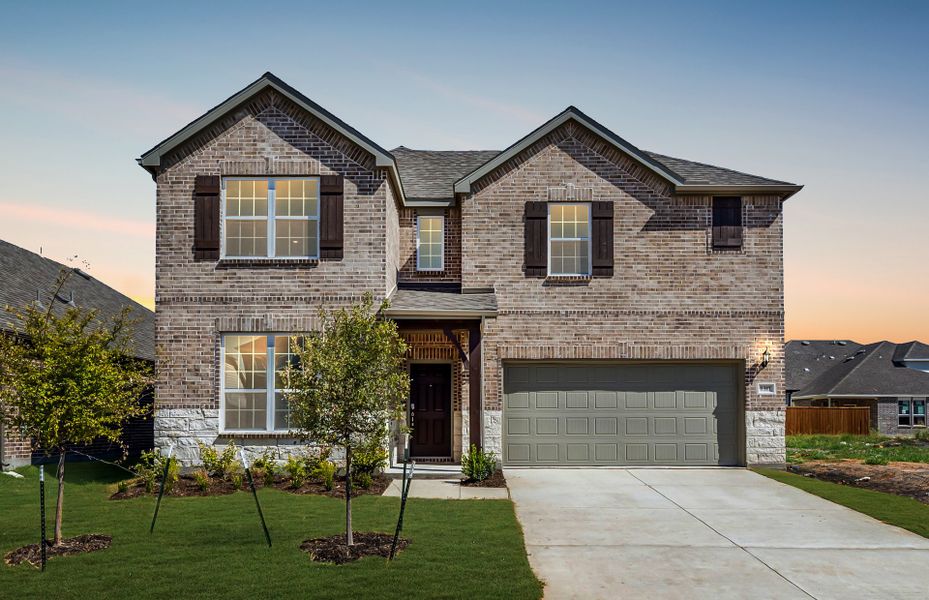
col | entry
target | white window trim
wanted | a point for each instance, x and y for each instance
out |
(441, 247)
(767, 389)
(270, 218)
(269, 386)
(589, 239)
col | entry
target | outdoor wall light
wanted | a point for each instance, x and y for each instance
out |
(765, 358)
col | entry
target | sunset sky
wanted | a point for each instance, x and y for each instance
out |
(830, 95)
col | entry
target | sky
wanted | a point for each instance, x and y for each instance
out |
(832, 95)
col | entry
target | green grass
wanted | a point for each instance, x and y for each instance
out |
(894, 510)
(875, 449)
(214, 547)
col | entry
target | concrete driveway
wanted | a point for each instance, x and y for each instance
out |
(705, 533)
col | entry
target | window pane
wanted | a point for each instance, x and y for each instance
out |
(296, 237)
(903, 412)
(919, 413)
(281, 412)
(246, 410)
(246, 237)
(246, 198)
(246, 364)
(570, 239)
(296, 198)
(431, 242)
(284, 354)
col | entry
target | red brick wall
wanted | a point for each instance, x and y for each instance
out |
(407, 260)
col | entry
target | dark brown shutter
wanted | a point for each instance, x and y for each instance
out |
(536, 239)
(727, 223)
(206, 217)
(331, 216)
(601, 221)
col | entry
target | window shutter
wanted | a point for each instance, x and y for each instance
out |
(601, 221)
(331, 216)
(536, 239)
(206, 217)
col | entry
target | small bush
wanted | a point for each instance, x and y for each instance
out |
(222, 465)
(362, 480)
(921, 435)
(237, 480)
(876, 459)
(324, 472)
(478, 465)
(122, 487)
(316, 455)
(265, 467)
(296, 469)
(369, 461)
(202, 479)
(151, 468)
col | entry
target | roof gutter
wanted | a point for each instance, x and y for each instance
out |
(786, 191)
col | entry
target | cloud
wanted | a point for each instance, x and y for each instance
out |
(85, 220)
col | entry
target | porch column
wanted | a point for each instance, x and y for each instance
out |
(474, 383)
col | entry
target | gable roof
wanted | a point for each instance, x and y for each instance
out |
(151, 160)
(430, 175)
(26, 277)
(805, 360)
(683, 175)
(870, 371)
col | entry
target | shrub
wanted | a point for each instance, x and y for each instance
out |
(151, 468)
(922, 435)
(324, 472)
(316, 455)
(122, 487)
(237, 480)
(362, 480)
(477, 465)
(202, 479)
(265, 467)
(222, 465)
(296, 469)
(369, 461)
(876, 459)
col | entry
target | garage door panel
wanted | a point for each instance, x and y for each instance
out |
(672, 414)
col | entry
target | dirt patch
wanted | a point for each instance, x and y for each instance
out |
(187, 486)
(497, 480)
(332, 549)
(900, 478)
(32, 553)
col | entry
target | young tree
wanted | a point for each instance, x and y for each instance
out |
(350, 381)
(68, 377)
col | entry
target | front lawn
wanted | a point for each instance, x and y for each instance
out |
(214, 547)
(878, 449)
(894, 510)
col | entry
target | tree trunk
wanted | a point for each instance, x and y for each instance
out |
(61, 497)
(348, 496)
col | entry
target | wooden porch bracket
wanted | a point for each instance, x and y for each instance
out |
(457, 343)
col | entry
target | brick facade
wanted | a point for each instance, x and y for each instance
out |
(671, 296)
(17, 450)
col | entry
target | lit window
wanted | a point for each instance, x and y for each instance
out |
(430, 243)
(569, 239)
(253, 392)
(290, 230)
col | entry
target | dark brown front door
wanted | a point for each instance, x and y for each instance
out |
(431, 410)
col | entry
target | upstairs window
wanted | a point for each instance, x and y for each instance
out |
(727, 223)
(569, 239)
(430, 243)
(271, 218)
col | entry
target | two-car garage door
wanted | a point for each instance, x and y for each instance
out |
(621, 414)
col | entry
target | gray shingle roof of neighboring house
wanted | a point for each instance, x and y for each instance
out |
(441, 304)
(702, 173)
(431, 174)
(808, 359)
(911, 351)
(870, 371)
(26, 276)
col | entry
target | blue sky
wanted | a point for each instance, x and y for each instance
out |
(831, 95)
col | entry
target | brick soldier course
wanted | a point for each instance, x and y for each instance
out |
(671, 296)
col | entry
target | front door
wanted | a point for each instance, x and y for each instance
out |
(431, 410)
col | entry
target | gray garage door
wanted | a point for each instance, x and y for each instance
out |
(621, 414)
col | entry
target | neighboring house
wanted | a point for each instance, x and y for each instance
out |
(892, 379)
(28, 278)
(570, 300)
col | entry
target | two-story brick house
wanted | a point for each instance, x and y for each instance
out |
(571, 300)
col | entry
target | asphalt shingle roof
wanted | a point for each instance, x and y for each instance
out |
(911, 351)
(431, 174)
(871, 370)
(436, 302)
(702, 173)
(25, 275)
(808, 359)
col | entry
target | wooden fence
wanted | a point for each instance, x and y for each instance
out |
(828, 420)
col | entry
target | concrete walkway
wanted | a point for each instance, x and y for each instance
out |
(446, 489)
(705, 533)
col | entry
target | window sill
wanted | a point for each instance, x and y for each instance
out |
(255, 435)
(266, 263)
(567, 279)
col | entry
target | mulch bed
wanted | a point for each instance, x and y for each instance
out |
(900, 478)
(187, 486)
(332, 549)
(497, 480)
(32, 554)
